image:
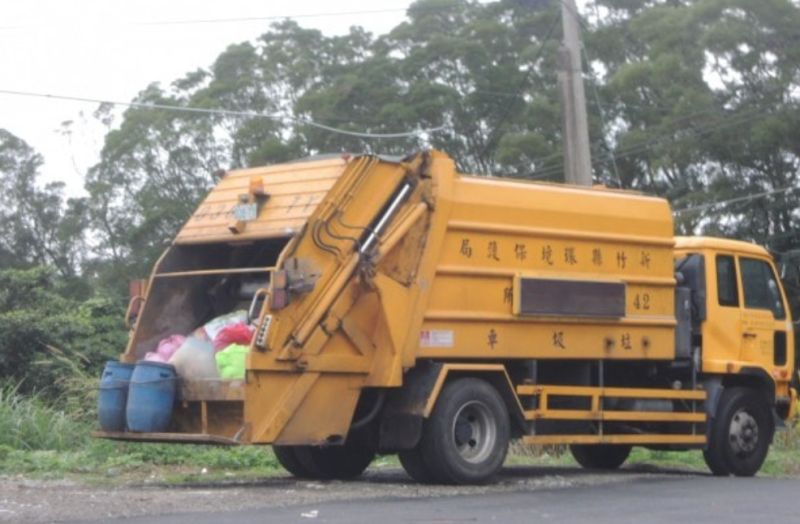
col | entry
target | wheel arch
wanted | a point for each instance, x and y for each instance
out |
(401, 420)
(496, 375)
(754, 378)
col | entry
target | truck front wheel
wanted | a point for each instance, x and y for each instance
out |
(740, 434)
(465, 439)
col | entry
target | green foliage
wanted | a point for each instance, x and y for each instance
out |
(442, 67)
(48, 339)
(698, 104)
(703, 96)
(37, 225)
(28, 423)
(37, 437)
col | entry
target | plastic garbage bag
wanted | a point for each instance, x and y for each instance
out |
(231, 361)
(238, 333)
(154, 356)
(214, 326)
(168, 346)
(194, 360)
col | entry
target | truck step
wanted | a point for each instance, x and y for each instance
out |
(185, 438)
(541, 440)
(615, 416)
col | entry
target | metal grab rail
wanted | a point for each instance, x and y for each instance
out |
(224, 271)
(129, 311)
(596, 413)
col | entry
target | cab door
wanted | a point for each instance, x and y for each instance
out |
(764, 325)
(722, 333)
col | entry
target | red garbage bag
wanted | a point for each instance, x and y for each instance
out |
(238, 333)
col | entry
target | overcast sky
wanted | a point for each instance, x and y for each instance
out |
(110, 50)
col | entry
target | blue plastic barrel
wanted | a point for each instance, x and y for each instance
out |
(113, 395)
(151, 397)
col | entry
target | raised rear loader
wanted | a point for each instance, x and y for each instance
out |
(402, 307)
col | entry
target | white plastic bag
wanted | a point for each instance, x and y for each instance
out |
(194, 360)
(214, 326)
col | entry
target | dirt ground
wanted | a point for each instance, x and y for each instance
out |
(25, 500)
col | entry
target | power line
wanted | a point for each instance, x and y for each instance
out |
(645, 146)
(763, 194)
(602, 113)
(266, 18)
(681, 118)
(201, 21)
(508, 107)
(272, 17)
(225, 112)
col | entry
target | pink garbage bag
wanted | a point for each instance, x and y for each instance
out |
(238, 333)
(168, 346)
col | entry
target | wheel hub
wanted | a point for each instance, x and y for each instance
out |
(743, 433)
(474, 432)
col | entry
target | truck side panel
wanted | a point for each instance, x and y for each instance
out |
(498, 235)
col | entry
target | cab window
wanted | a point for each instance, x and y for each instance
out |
(761, 287)
(727, 293)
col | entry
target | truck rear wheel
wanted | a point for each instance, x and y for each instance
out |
(287, 457)
(465, 439)
(334, 462)
(741, 433)
(600, 456)
(414, 464)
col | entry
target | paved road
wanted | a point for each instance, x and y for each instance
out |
(667, 498)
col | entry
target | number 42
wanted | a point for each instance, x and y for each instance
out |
(642, 301)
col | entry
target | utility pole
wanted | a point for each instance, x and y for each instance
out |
(577, 159)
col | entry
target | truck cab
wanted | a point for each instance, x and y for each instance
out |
(746, 326)
(742, 334)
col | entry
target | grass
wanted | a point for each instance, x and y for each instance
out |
(104, 461)
(783, 458)
(28, 423)
(41, 440)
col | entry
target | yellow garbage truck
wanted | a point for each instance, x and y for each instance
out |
(402, 307)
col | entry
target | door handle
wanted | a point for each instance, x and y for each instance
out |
(749, 334)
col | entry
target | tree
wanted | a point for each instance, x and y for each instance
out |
(39, 321)
(38, 226)
(691, 100)
(702, 101)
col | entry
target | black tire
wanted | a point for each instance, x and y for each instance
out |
(600, 456)
(334, 462)
(741, 433)
(715, 463)
(415, 466)
(465, 439)
(287, 457)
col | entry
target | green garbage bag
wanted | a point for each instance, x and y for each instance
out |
(230, 362)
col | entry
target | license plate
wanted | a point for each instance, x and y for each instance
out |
(245, 212)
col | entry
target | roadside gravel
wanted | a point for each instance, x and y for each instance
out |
(25, 500)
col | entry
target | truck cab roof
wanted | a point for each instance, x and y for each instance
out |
(718, 244)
